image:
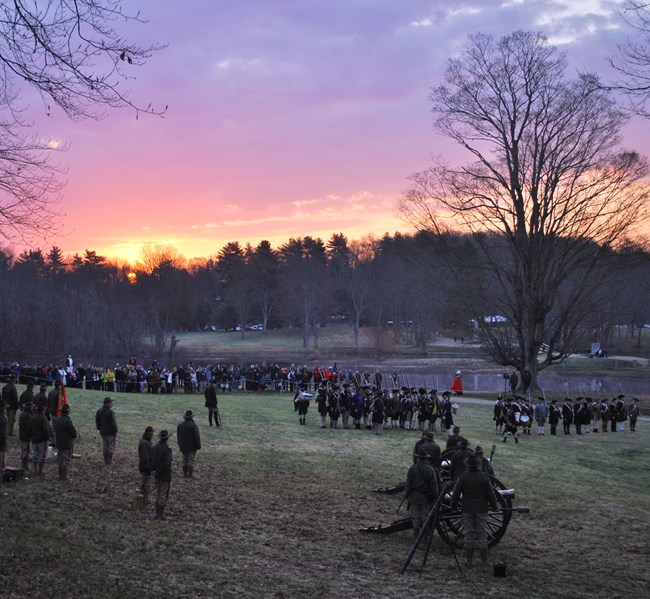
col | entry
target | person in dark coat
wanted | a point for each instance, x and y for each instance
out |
(421, 490)
(478, 496)
(145, 447)
(106, 424)
(27, 396)
(554, 415)
(161, 466)
(65, 434)
(41, 436)
(567, 416)
(432, 449)
(10, 398)
(4, 429)
(210, 395)
(189, 442)
(457, 462)
(25, 434)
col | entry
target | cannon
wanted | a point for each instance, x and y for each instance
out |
(448, 521)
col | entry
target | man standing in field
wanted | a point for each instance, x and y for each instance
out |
(189, 442)
(145, 447)
(41, 435)
(210, 395)
(541, 412)
(633, 413)
(65, 434)
(25, 435)
(10, 398)
(161, 466)
(106, 424)
(4, 426)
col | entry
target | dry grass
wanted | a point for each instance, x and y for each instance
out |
(275, 511)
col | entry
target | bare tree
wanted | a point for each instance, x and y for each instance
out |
(547, 193)
(633, 59)
(72, 54)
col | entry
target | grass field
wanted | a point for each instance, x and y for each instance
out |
(275, 508)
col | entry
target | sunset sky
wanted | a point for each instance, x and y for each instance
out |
(286, 117)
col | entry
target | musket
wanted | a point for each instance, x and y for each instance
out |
(620, 389)
(492, 452)
(216, 411)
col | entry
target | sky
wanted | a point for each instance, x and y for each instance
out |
(285, 118)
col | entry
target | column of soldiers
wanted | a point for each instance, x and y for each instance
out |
(362, 406)
(512, 415)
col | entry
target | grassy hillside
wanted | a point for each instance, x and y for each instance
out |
(276, 507)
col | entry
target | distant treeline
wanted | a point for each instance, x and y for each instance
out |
(413, 285)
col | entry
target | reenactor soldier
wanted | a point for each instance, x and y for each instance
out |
(604, 414)
(554, 416)
(633, 413)
(567, 416)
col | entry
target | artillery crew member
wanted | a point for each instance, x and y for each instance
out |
(421, 491)
(478, 495)
(484, 465)
(432, 449)
(457, 461)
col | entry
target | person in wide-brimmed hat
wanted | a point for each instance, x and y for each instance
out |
(189, 442)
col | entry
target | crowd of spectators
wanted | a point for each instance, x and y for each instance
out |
(133, 377)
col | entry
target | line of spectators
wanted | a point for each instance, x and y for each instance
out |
(132, 377)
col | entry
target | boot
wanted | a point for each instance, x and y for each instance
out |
(161, 515)
(157, 516)
(40, 468)
(469, 557)
(516, 439)
(63, 474)
(184, 471)
(190, 471)
(483, 554)
(25, 462)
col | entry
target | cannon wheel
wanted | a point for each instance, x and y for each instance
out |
(450, 525)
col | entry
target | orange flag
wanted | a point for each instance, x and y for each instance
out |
(63, 398)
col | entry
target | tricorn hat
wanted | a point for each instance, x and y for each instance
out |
(189, 414)
(164, 435)
(107, 400)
